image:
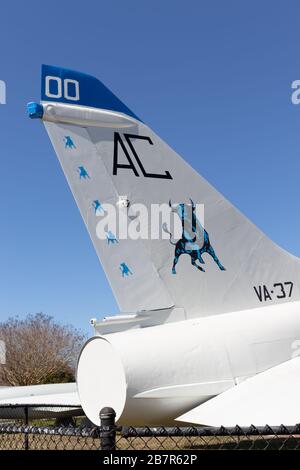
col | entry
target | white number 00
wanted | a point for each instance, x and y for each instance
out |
(62, 88)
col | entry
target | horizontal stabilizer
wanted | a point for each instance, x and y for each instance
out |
(143, 319)
(50, 400)
(271, 397)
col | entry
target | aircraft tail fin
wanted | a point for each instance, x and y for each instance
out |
(110, 157)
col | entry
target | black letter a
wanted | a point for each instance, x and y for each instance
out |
(117, 141)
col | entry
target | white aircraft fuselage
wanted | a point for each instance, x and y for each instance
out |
(164, 371)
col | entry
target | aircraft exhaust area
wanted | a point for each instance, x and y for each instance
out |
(152, 376)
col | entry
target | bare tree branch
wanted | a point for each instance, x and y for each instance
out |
(39, 350)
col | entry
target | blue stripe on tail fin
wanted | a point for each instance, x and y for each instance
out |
(68, 86)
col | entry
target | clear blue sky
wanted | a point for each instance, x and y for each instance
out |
(211, 78)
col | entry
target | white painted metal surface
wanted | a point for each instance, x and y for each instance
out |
(249, 257)
(100, 381)
(172, 368)
(270, 397)
(64, 394)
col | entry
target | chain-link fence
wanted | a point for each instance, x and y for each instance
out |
(203, 438)
(44, 427)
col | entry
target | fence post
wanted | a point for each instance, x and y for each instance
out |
(108, 429)
(26, 421)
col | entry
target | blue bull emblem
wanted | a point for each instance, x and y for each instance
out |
(97, 207)
(69, 142)
(111, 238)
(125, 271)
(83, 173)
(190, 246)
